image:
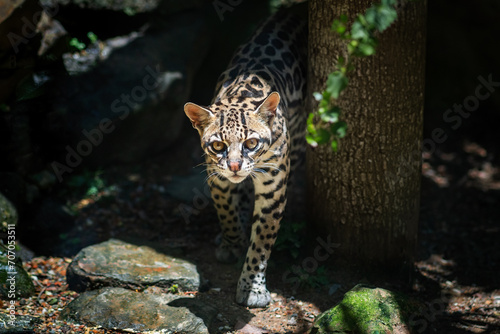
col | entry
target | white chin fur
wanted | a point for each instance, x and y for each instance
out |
(236, 178)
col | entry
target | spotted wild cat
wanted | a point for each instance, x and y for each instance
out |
(252, 133)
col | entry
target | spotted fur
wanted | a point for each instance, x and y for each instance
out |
(251, 133)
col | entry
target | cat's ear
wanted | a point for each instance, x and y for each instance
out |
(267, 109)
(199, 116)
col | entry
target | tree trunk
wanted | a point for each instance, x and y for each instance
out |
(366, 196)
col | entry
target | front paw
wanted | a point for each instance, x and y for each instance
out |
(253, 297)
(228, 253)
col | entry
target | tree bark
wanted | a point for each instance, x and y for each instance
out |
(366, 196)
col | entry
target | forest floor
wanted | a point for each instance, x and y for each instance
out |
(456, 273)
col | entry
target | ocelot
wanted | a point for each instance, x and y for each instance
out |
(253, 132)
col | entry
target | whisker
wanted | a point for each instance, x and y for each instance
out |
(267, 164)
(209, 169)
(210, 176)
(259, 177)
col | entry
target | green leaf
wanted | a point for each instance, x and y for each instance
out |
(318, 96)
(311, 141)
(388, 2)
(339, 27)
(92, 191)
(331, 115)
(339, 129)
(92, 37)
(358, 31)
(386, 16)
(340, 61)
(371, 16)
(336, 83)
(77, 44)
(323, 136)
(310, 125)
(361, 19)
(335, 145)
(366, 49)
(326, 100)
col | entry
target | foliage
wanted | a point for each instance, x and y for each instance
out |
(290, 238)
(130, 11)
(92, 37)
(317, 279)
(86, 188)
(79, 45)
(74, 42)
(88, 183)
(174, 289)
(361, 42)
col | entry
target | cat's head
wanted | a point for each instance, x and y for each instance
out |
(234, 135)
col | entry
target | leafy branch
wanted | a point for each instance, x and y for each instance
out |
(361, 42)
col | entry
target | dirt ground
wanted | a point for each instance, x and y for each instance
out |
(456, 272)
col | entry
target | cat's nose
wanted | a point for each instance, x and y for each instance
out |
(234, 165)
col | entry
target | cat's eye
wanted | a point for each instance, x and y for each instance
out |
(251, 143)
(218, 146)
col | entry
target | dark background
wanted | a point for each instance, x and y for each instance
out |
(46, 103)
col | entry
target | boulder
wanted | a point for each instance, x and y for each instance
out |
(119, 264)
(14, 280)
(368, 310)
(135, 312)
(130, 7)
(8, 214)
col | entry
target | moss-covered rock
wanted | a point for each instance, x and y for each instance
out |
(15, 282)
(367, 310)
(8, 214)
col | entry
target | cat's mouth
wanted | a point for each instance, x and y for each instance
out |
(236, 177)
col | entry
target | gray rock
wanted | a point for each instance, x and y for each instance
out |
(20, 324)
(122, 309)
(6, 8)
(130, 7)
(119, 264)
(368, 310)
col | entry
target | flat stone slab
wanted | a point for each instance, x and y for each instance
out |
(119, 264)
(137, 312)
